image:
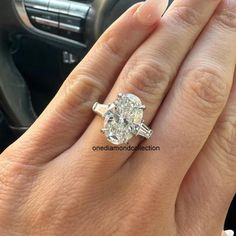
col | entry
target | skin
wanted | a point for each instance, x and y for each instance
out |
(182, 67)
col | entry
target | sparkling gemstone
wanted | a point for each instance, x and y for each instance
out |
(123, 118)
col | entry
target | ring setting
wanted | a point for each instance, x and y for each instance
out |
(123, 119)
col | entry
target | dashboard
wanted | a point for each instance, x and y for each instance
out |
(63, 20)
(73, 23)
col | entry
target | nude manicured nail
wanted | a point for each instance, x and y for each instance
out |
(152, 10)
(229, 232)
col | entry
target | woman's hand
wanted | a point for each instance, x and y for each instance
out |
(182, 67)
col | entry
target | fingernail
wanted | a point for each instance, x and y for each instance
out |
(229, 232)
(152, 10)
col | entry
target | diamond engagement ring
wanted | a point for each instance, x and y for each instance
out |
(123, 119)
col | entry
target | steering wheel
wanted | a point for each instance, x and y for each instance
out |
(71, 25)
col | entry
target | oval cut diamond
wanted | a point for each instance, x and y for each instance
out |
(123, 119)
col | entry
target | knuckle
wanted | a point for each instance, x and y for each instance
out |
(111, 45)
(226, 16)
(15, 175)
(148, 78)
(4, 180)
(207, 89)
(227, 136)
(186, 15)
(79, 90)
(8, 176)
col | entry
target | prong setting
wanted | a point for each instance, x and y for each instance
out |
(123, 119)
(120, 95)
(103, 130)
